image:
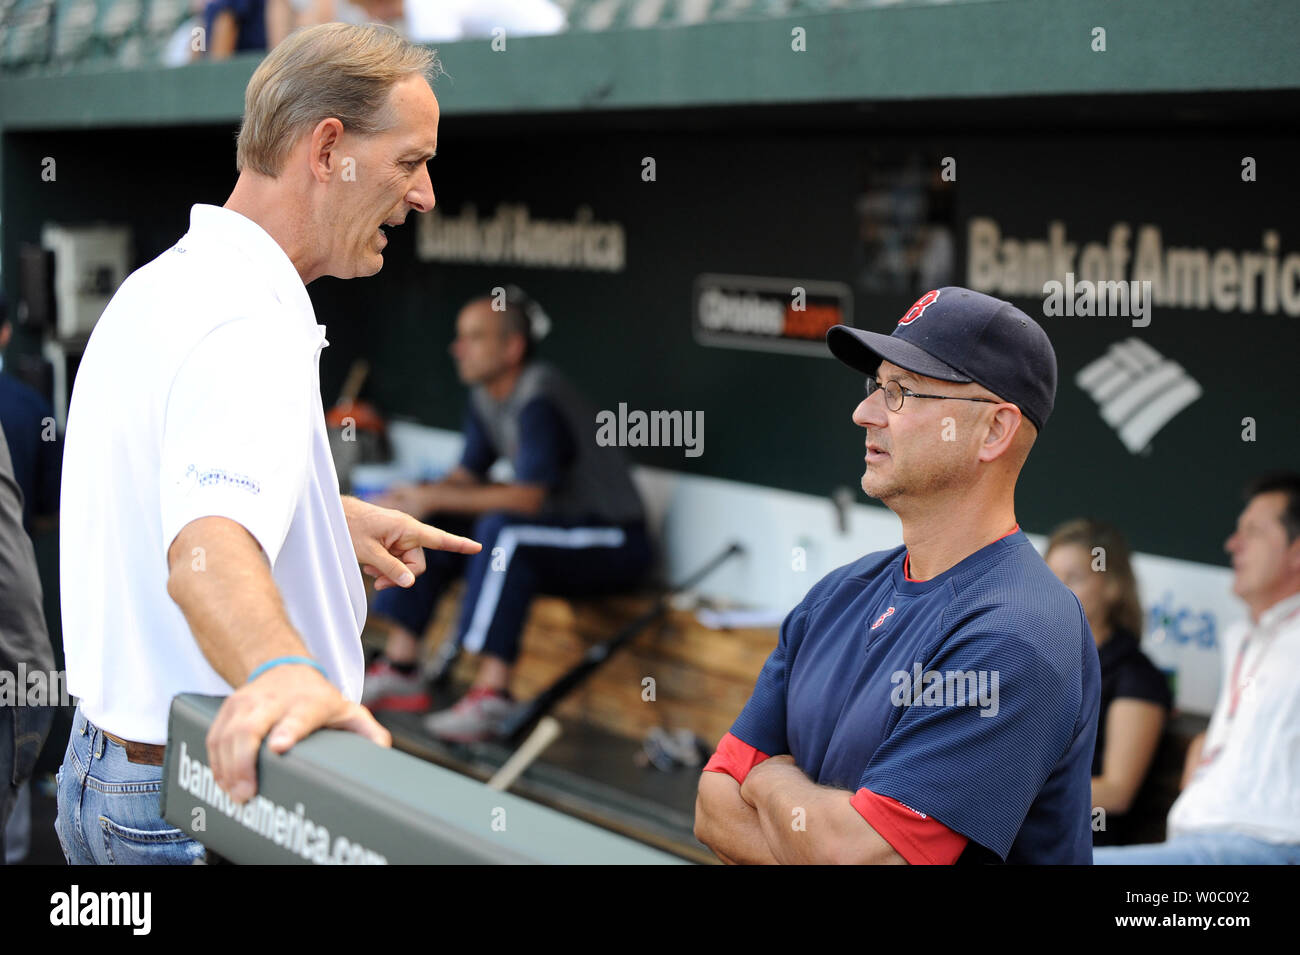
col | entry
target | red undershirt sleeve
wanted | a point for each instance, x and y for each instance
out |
(915, 836)
(734, 757)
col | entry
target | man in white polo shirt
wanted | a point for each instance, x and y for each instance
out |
(1240, 803)
(204, 544)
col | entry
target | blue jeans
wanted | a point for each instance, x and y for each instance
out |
(108, 807)
(1201, 848)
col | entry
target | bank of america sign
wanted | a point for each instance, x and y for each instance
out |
(1138, 390)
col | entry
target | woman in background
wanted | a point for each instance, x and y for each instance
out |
(1093, 560)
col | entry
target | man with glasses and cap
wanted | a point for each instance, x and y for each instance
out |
(937, 702)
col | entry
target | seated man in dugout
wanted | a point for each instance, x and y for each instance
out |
(1093, 560)
(568, 521)
(1240, 803)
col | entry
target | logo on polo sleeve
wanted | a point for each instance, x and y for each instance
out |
(194, 478)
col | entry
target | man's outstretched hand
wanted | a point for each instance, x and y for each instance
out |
(390, 545)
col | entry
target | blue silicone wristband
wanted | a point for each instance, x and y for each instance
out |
(307, 661)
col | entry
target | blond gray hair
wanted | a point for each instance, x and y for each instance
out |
(331, 70)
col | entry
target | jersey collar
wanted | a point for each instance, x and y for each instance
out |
(905, 584)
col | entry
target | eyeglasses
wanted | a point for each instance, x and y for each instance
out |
(895, 393)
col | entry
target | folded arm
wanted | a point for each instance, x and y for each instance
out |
(757, 809)
(804, 823)
(727, 824)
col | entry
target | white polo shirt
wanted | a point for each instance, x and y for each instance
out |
(1249, 778)
(198, 395)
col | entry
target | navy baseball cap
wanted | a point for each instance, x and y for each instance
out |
(955, 334)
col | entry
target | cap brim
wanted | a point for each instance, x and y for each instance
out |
(865, 351)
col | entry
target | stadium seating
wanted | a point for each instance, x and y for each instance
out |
(58, 36)
(40, 36)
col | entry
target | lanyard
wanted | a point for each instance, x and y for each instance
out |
(1235, 690)
(1235, 696)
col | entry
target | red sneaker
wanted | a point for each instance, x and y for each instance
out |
(387, 688)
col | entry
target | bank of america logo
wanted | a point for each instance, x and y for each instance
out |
(1139, 390)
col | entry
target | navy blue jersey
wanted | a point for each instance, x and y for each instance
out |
(971, 697)
(545, 429)
(477, 455)
(545, 451)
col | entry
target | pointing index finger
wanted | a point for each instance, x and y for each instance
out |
(436, 539)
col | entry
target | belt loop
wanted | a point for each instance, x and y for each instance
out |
(103, 741)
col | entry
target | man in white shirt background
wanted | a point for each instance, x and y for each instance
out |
(1240, 803)
(204, 544)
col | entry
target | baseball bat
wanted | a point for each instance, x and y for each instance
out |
(547, 732)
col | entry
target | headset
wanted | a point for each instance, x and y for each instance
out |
(538, 322)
